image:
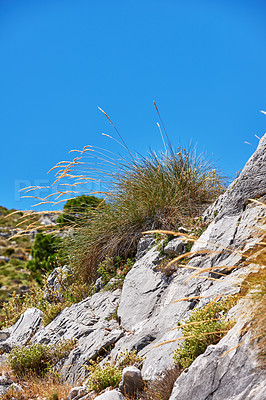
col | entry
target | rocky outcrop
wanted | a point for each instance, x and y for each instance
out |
(132, 382)
(22, 331)
(228, 370)
(7, 385)
(144, 314)
(90, 323)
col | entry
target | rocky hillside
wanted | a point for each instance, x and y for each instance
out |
(153, 300)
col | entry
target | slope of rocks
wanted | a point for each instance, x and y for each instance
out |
(142, 315)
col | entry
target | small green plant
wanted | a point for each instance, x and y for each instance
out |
(53, 396)
(117, 269)
(103, 376)
(109, 374)
(127, 358)
(38, 359)
(205, 326)
(51, 311)
(106, 269)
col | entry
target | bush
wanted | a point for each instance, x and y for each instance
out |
(76, 209)
(154, 192)
(44, 254)
(103, 376)
(38, 359)
(117, 269)
(205, 326)
(127, 358)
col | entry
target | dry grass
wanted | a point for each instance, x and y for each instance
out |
(34, 388)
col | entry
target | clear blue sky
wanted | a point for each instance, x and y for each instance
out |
(203, 62)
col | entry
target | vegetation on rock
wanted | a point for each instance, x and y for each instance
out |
(38, 359)
(205, 326)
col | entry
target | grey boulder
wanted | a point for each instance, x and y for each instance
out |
(111, 395)
(132, 382)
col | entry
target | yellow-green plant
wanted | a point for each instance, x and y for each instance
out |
(102, 376)
(205, 326)
(38, 358)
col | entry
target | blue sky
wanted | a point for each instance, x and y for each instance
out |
(203, 62)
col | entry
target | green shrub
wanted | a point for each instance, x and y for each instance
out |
(38, 359)
(44, 254)
(51, 311)
(117, 269)
(75, 210)
(103, 376)
(108, 374)
(205, 326)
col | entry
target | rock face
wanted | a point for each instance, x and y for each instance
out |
(6, 385)
(22, 331)
(90, 323)
(142, 316)
(228, 370)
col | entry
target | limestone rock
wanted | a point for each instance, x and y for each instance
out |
(175, 247)
(6, 384)
(78, 392)
(23, 330)
(144, 245)
(56, 282)
(90, 323)
(227, 370)
(132, 382)
(111, 395)
(250, 184)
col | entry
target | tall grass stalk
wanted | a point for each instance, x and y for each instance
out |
(156, 191)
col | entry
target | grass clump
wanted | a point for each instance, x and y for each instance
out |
(38, 359)
(154, 192)
(205, 326)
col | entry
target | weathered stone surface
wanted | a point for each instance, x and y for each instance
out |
(249, 185)
(175, 247)
(78, 392)
(23, 330)
(141, 291)
(6, 385)
(90, 323)
(215, 375)
(56, 282)
(132, 382)
(111, 395)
